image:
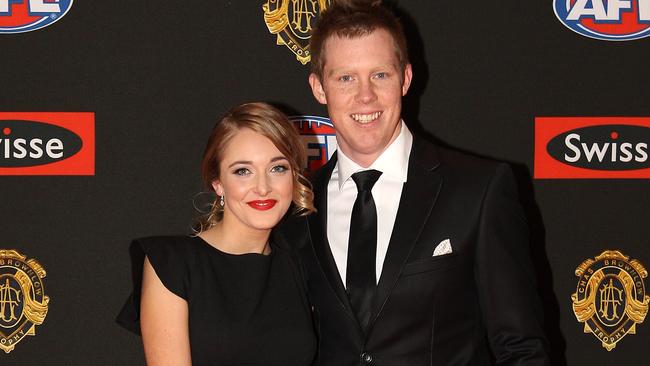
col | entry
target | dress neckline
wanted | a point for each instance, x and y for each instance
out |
(203, 242)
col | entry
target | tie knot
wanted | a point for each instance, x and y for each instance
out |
(366, 179)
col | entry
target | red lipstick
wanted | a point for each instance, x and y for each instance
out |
(262, 205)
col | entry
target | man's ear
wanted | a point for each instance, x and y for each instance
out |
(317, 88)
(408, 76)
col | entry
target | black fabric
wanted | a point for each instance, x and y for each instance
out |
(362, 247)
(245, 309)
(476, 306)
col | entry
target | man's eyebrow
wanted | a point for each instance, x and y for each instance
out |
(332, 72)
(344, 70)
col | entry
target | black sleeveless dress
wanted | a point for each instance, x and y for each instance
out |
(248, 309)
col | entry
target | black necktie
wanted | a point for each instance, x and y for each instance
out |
(362, 247)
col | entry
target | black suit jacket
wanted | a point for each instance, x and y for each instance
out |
(475, 306)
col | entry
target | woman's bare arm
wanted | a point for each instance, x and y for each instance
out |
(163, 322)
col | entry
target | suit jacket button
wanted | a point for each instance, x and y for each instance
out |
(366, 357)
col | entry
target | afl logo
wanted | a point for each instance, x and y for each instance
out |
(19, 16)
(319, 138)
(608, 20)
(59, 143)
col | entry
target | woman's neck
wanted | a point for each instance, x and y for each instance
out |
(236, 240)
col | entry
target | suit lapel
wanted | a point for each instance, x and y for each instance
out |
(318, 233)
(418, 198)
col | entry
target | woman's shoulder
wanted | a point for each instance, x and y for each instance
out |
(165, 244)
(170, 257)
(164, 240)
(178, 253)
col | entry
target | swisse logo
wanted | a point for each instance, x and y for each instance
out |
(592, 147)
(609, 20)
(18, 16)
(319, 137)
(47, 143)
(607, 147)
(37, 143)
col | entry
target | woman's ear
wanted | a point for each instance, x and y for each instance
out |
(218, 188)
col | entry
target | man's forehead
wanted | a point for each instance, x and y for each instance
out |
(347, 44)
(352, 35)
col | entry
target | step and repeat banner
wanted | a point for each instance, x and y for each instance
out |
(105, 107)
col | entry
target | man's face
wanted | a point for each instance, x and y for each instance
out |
(362, 85)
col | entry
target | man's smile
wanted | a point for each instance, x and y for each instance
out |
(365, 118)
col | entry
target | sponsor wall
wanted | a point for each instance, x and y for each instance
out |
(105, 108)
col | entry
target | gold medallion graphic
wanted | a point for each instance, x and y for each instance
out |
(610, 298)
(23, 304)
(292, 21)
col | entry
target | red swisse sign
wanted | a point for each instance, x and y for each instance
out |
(592, 147)
(47, 143)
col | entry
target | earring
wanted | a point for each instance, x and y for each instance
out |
(222, 201)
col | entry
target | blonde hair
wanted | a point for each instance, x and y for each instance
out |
(271, 123)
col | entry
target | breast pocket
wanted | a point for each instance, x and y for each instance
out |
(437, 263)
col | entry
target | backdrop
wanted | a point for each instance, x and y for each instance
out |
(158, 74)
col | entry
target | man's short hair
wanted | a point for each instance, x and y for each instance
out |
(353, 19)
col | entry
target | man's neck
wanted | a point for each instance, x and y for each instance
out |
(366, 160)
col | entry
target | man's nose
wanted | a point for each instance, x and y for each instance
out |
(366, 92)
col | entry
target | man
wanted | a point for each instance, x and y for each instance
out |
(418, 255)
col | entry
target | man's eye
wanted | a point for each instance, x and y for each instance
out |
(345, 78)
(279, 169)
(381, 75)
(242, 171)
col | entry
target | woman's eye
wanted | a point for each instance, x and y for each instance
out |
(279, 169)
(242, 171)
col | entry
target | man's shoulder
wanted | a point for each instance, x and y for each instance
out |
(471, 174)
(453, 160)
(324, 171)
(291, 232)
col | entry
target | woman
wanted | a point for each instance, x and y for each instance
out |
(227, 296)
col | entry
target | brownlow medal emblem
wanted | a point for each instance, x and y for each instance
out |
(23, 304)
(292, 21)
(610, 298)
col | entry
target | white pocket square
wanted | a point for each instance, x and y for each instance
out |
(443, 248)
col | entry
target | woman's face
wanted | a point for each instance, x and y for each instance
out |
(256, 182)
